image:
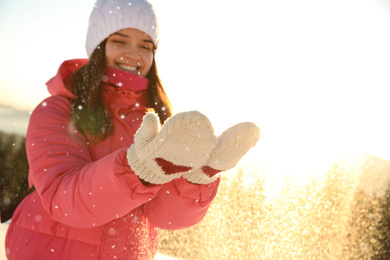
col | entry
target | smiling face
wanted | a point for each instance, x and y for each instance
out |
(130, 50)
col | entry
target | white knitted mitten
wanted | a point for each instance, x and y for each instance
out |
(184, 142)
(232, 145)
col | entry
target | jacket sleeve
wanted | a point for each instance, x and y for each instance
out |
(74, 189)
(180, 204)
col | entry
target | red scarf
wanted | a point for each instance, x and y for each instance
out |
(124, 94)
(125, 80)
(124, 90)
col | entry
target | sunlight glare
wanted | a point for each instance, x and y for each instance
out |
(312, 75)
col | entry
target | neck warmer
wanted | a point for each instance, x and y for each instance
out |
(124, 80)
(124, 92)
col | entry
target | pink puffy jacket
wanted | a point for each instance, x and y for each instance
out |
(88, 203)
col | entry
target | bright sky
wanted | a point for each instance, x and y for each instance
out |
(314, 75)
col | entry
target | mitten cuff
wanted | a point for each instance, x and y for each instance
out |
(144, 172)
(199, 177)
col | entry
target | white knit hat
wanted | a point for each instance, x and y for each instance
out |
(109, 16)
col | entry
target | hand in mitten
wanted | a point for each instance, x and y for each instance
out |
(232, 145)
(184, 142)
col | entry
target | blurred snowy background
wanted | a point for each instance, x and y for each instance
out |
(13, 120)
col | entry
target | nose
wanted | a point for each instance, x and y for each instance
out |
(132, 53)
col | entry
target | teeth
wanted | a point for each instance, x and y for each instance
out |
(129, 68)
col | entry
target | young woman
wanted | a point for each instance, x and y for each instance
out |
(106, 175)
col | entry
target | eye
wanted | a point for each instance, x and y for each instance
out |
(146, 47)
(118, 42)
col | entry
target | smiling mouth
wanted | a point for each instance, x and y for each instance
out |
(134, 70)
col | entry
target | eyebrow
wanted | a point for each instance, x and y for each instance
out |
(126, 36)
(146, 40)
(121, 34)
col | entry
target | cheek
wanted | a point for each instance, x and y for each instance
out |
(111, 53)
(148, 60)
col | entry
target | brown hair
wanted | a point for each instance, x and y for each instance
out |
(89, 112)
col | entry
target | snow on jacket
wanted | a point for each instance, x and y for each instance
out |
(88, 203)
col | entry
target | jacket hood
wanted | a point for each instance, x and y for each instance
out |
(57, 84)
